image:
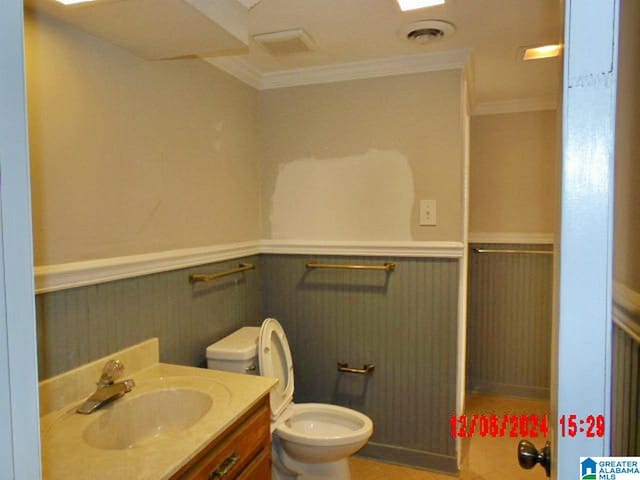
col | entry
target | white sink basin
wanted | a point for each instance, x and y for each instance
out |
(132, 422)
(150, 433)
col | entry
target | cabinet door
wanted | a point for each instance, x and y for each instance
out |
(260, 468)
(227, 456)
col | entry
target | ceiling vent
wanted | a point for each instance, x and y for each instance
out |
(286, 42)
(427, 31)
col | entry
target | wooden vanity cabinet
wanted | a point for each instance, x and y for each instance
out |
(241, 452)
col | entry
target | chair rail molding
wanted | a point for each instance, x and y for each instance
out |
(439, 249)
(512, 237)
(51, 278)
(519, 105)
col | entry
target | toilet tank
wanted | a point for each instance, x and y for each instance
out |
(237, 352)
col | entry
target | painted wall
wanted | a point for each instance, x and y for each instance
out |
(513, 174)
(509, 332)
(79, 325)
(404, 322)
(133, 157)
(351, 160)
(627, 215)
(130, 156)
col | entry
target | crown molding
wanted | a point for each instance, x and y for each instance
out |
(383, 67)
(240, 68)
(514, 106)
(373, 249)
(512, 237)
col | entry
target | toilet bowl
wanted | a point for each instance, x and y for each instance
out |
(311, 441)
(317, 432)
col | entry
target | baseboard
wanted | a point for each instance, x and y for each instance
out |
(508, 390)
(410, 457)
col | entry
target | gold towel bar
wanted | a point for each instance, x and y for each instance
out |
(195, 278)
(387, 267)
(365, 370)
(531, 252)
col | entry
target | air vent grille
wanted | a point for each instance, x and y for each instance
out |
(426, 31)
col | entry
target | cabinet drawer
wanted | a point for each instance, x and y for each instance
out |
(227, 456)
(260, 468)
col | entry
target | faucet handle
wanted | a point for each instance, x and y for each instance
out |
(111, 370)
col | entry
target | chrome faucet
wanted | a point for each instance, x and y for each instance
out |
(107, 390)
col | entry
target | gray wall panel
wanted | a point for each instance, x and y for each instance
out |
(625, 436)
(509, 326)
(79, 325)
(404, 322)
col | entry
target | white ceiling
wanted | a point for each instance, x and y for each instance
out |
(358, 30)
(159, 29)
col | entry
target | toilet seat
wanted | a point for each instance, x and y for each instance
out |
(310, 440)
(323, 425)
(274, 358)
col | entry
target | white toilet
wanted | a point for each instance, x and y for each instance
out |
(311, 441)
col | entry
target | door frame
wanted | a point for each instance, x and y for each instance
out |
(581, 382)
(20, 442)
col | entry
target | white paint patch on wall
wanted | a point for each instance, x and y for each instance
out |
(363, 197)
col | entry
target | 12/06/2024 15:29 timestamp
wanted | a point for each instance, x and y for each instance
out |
(519, 426)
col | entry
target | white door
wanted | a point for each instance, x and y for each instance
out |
(582, 349)
(19, 429)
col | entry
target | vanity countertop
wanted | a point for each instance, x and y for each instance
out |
(67, 454)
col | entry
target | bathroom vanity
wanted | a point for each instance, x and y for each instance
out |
(176, 423)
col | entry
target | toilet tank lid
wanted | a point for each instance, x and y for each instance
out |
(240, 345)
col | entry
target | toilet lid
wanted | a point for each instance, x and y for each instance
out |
(274, 357)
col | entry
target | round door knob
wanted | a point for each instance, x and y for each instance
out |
(529, 455)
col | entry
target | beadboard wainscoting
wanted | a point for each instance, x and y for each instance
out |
(78, 325)
(509, 325)
(404, 322)
(625, 437)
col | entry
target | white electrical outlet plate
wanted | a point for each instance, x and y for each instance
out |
(427, 212)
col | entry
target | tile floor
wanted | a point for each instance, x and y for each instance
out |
(485, 458)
